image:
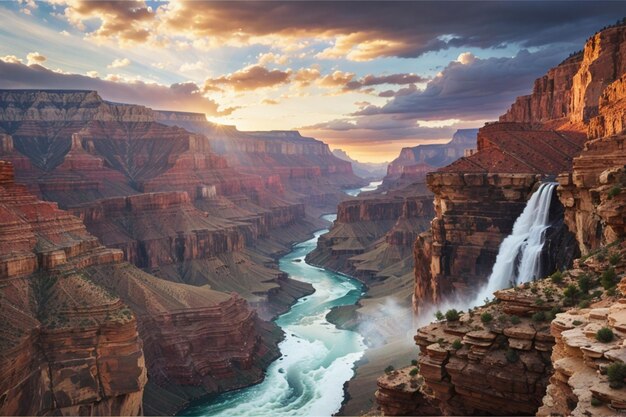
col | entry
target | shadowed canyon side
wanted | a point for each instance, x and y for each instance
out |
(83, 331)
(553, 346)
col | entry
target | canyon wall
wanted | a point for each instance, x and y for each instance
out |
(477, 200)
(83, 331)
(522, 354)
(539, 137)
(304, 167)
(160, 193)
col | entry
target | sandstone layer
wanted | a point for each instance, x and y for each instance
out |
(84, 331)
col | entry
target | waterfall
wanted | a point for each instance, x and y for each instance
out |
(518, 259)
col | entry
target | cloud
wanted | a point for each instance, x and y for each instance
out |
(470, 88)
(305, 76)
(126, 21)
(184, 96)
(249, 78)
(119, 63)
(272, 58)
(357, 30)
(35, 58)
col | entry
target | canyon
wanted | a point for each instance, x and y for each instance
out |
(551, 346)
(174, 306)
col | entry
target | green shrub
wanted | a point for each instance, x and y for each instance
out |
(584, 304)
(539, 301)
(614, 258)
(608, 279)
(486, 317)
(596, 294)
(616, 373)
(595, 402)
(548, 292)
(577, 322)
(414, 371)
(611, 292)
(457, 344)
(534, 289)
(605, 335)
(557, 277)
(571, 291)
(614, 192)
(452, 315)
(511, 355)
(584, 283)
(414, 362)
(439, 315)
(515, 320)
(538, 316)
(389, 369)
(601, 256)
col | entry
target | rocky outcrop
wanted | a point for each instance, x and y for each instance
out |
(67, 345)
(580, 384)
(81, 329)
(496, 367)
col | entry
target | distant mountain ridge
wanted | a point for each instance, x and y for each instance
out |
(374, 170)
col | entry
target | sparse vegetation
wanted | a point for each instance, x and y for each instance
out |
(539, 301)
(539, 316)
(608, 279)
(616, 373)
(515, 320)
(548, 292)
(389, 369)
(486, 317)
(614, 192)
(577, 322)
(584, 304)
(595, 402)
(414, 362)
(571, 291)
(614, 259)
(452, 315)
(557, 277)
(584, 283)
(413, 371)
(457, 344)
(605, 335)
(439, 315)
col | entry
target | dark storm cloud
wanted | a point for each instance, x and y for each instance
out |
(184, 96)
(411, 28)
(478, 89)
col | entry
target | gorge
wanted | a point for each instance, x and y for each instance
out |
(155, 262)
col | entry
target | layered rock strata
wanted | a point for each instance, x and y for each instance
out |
(72, 345)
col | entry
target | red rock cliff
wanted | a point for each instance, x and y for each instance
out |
(71, 345)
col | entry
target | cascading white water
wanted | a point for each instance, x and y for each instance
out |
(518, 259)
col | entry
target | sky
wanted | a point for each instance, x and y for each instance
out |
(368, 77)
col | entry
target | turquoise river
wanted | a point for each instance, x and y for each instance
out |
(317, 358)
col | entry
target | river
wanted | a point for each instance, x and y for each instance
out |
(317, 358)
